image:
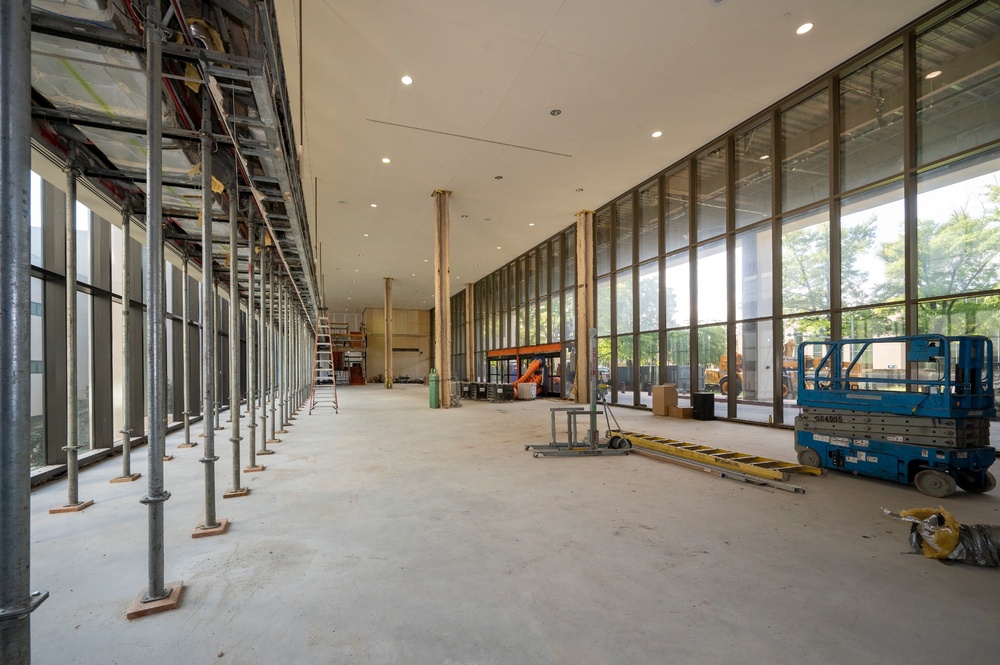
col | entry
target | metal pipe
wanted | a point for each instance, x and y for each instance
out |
(126, 430)
(208, 373)
(251, 349)
(217, 305)
(186, 353)
(234, 334)
(282, 361)
(72, 407)
(16, 601)
(156, 318)
(592, 435)
(272, 339)
(263, 345)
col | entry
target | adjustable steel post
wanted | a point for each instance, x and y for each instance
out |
(264, 378)
(234, 344)
(252, 465)
(186, 353)
(16, 601)
(211, 525)
(217, 304)
(282, 360)
(158, 596)
(72, 447)
(272, 356)
(126, 431)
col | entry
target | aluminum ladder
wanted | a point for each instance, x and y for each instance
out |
(324, 379)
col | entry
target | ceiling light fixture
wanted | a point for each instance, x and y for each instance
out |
(465, 216)
(933, 75)
(406, 80)
(804, 28)
(657, 134)
(498, 177)
(579, 189)
(531, 223)
(386, 160)
(366, 235)
(499, 247)
(555, 112)
(374, 205)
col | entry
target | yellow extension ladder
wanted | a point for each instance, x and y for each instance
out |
(745, 464)
(324, 379)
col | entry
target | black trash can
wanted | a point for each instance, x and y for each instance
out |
(704, 406)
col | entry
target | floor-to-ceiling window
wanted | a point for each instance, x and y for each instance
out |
(865, 205)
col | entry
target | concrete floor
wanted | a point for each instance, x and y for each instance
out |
(391, 533)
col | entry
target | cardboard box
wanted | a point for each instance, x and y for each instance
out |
(681, 412)
(664, 397)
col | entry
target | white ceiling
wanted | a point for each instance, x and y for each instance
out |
(486, 74)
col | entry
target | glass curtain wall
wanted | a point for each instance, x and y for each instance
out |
(823, 217)
(529, 302)
(99, 299)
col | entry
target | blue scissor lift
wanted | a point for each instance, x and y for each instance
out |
(926, 422)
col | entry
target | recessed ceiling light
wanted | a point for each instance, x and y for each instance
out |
(386, 160)
(499, 247)
(425, 260)
(465, 216)
(406, 80)
(374, 205)
(765, 156)
(531, 223)
(498, 177)
(933, 75)
(366, 235)
(657, 134)
(579, 189)
(804, 28)
(554, 112)
(413, 274)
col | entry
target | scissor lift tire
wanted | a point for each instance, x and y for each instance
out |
(935, 483)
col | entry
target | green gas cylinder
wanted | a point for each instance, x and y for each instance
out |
(432, 382)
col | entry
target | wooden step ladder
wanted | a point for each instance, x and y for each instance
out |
(324, 380)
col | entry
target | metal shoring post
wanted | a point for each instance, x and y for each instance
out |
(73, 503)
(126, 430)
(262, 342)
(158, 596)
(16, 601)
(272, 392)
(282, 360)
(252, 465)
(234, 343)
(211, 525)
(217, 304)
(186, 354)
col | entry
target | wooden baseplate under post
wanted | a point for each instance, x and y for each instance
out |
(172, 601)
(253, 469)
(71, 508)
(187, 445)
(201, 531)
(126, 479)
(274, 440)
(282, 431)
(265, 452)
(167, 458)
(235, 494)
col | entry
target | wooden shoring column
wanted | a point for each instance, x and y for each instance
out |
(442, 294)
(584, 301)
